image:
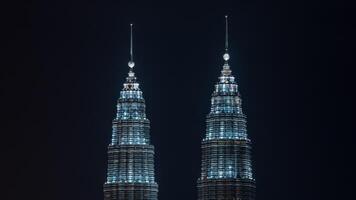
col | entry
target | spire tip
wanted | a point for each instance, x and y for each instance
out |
(226, 56)
(131, 62)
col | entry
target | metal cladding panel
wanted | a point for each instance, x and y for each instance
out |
(223, 189)
(130, 191)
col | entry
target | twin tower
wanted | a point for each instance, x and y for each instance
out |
(226, 171)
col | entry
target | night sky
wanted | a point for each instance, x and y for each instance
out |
(68, 60)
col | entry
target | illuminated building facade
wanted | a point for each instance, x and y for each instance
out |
(130, 174)
(226, 170)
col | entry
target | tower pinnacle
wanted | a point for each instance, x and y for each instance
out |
(131, 62)
(226, 56)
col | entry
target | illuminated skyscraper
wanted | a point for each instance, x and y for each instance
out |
(130, 174)
(226, 171)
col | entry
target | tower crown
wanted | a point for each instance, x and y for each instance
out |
(131, 83)
(226, 76)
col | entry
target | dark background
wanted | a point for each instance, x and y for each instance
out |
(65, 63)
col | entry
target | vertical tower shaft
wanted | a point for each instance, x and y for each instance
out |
(226, 171)
(130, 173)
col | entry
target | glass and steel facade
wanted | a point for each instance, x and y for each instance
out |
(130, 174)
(226, 171)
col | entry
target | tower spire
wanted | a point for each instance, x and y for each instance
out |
(131, 62)
(226, 34)
(226, 56)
